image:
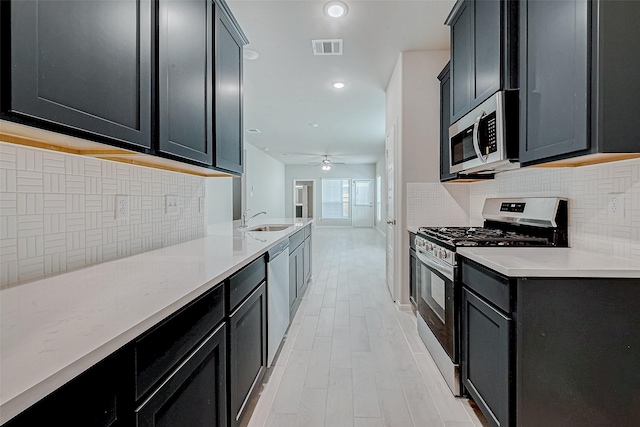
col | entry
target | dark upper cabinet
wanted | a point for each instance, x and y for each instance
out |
(445, 102)
(81, 66)
(228, 94)
(162, 77)
(578, 79)
(185, 79)
(483, 52)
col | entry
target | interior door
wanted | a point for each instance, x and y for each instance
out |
(362, 203)
(390, 147)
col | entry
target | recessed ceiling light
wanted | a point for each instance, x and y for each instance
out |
(284, 154)
(337, 85)
(335, 9)
(250, 54)
(314, 125)
(266, 148)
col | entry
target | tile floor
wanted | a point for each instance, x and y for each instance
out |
(350, 358)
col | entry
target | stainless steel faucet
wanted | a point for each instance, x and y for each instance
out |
(244, 220)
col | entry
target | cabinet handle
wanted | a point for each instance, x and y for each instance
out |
(476, 145)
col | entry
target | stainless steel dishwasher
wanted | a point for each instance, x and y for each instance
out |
(277, 297)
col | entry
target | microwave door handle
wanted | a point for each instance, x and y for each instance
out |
(476, 145)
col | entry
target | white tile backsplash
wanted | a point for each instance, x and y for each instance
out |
(57, 211)
(588, 189)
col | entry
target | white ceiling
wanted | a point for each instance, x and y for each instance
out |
(288, 87)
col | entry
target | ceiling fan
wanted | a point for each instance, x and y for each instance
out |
(326, 163)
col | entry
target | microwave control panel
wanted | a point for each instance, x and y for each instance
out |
(488, 142)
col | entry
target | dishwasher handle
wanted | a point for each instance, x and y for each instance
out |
(277, 250)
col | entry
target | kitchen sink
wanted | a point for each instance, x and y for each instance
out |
(270, 227)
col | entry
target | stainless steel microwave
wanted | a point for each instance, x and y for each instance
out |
(486, 139)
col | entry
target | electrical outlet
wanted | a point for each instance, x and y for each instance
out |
(615, 208)
(201, 205)
(172, 207)
(122, 207)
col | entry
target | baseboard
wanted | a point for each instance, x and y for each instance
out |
(404, 307)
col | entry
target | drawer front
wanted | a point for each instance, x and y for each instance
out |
(307, 231)
(246, 280)
(296, 240)
(487, 283)
(160, 349)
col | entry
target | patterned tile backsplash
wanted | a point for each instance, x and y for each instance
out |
(57, 211)
(588, 188)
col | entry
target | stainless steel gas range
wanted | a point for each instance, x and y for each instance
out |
(539, 221)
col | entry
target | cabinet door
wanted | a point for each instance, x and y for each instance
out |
(485, 358)
(554, 78)
(487, 48)
(461, 61)
(195, 393)
(100, 397)
(300, 270)
(228, 95)
(293, 281)
(84, 65)
(247, 350)
(185, 79)
(445, 114)
(306, 259)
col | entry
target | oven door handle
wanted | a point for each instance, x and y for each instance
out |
(434, 263)
(476, 143)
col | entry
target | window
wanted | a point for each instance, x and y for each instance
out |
(378, 198)
(335, 199)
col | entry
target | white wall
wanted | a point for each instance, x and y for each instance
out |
(306, 172)
(413, 105)
(265, 183)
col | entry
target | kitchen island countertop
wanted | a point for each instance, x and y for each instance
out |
(55, 328)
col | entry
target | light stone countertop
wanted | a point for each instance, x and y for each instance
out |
(53, 329)
(552, 262)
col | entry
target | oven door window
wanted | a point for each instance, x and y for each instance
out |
(433, 292)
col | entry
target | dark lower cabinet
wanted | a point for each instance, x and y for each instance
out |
(100, 397)
(228, 94)
(296, 279)
(558, 352)
(247, 351)
(185, 79)
(81, 66)
(486, 362)
(194, 394)
(300, 269)
(306, 259)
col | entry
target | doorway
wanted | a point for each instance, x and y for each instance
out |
(362, 203)
(303, 197)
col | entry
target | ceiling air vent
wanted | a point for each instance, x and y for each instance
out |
(327, 47)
